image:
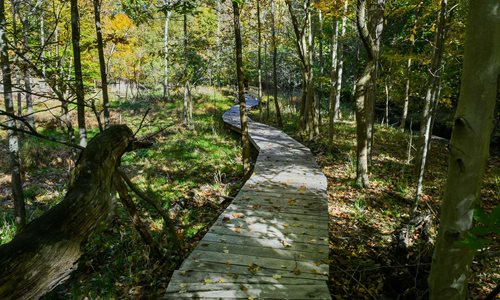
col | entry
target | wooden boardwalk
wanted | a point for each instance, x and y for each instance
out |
(272, 241)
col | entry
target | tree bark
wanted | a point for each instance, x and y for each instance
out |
(102, 62)
(469, 148)
(275, 71)
(333, 82)
(80, 94)
(12, 136)
(245, 141)
(187, 104)
(364, 87)
(47, 250)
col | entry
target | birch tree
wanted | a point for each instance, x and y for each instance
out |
(469, 148)
(12, 137)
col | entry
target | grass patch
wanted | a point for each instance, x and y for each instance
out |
(186, 171)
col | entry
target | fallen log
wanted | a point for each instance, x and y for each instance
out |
(45, 253)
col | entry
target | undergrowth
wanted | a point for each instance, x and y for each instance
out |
(365, 260)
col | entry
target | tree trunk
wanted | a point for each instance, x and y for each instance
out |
(42, 40)
(406, 102)
(186, 107)
(166, 87)
(365, 94)
(80, 94)
(321, 72)
(333, 82)
(45, 253)
(275, 71)
(304, 44)
(340, 64)
(12, 137)
(430, 99)
(469, 147)
(102, 63)
(245, 141)
(259, 55)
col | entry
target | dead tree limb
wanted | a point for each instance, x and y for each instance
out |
(131, 208)
(155, 204)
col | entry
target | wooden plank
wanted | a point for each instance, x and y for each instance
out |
(285, 199)
(269, 225)
(221, 267)
(272, 213)
(266, 211)
(262, 251)
(248, 291)
(285, 243)
(249, 260)
(270, 234)
(192, 276)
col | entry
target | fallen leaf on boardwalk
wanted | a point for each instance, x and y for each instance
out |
(237, 229)
(251, 298)
(277, 276)
(237, 215)
(207, 281)
(226, 251)
(296, 271)
(243, 288)
(183, 288)
(226, 219)
(292, 202)
(302, 189)
(285, 225)
(253, 268)
(221, 280)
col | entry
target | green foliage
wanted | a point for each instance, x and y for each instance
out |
(487, 224)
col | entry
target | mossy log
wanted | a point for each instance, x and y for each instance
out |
(45, 253)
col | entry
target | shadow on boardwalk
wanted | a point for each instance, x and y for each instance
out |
(272, 241)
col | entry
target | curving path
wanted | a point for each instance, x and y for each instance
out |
(272, 241)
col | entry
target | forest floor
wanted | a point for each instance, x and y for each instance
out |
(366, 259)
(195, 173)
